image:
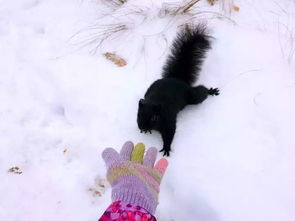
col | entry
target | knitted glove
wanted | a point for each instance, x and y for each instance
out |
(134, 178)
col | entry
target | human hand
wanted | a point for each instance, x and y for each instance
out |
(133, 176)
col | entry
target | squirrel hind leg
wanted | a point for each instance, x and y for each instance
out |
(198, 94)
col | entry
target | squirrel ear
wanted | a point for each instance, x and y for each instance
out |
(141, 102)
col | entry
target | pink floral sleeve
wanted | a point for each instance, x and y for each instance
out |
(122, 211)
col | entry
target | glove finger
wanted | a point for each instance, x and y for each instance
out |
(150, 157)
(137, 153)
(126, 150)
(110, 157)
(161, 165)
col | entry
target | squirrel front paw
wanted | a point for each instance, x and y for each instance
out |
(213, 91)
(166, 151)
(145, 131)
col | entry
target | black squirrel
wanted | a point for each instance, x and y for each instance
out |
(167, 96)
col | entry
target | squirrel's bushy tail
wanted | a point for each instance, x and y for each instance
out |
(187, 54)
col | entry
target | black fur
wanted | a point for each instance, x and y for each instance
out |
(167, 96)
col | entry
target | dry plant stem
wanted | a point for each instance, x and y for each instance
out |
(99, 36)
(107, 35)
(212, 2)
(227, 6)
(115, 3)
(217, 14)
(186, 7)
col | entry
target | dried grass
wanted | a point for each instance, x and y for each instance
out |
(96, 35)
(286, 30)
(113, 3)
(183, 12)
(287, 47)
(227, 6)
(178, 9)
(211, 2)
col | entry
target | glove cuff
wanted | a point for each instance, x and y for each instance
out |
(134, 197)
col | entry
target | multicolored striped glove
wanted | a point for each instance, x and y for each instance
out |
(133, 176)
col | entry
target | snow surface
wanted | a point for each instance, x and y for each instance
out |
(61, 105)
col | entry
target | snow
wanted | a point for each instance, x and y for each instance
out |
(62, 104)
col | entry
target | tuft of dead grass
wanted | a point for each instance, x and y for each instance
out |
(111, 26)
(96, 35)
